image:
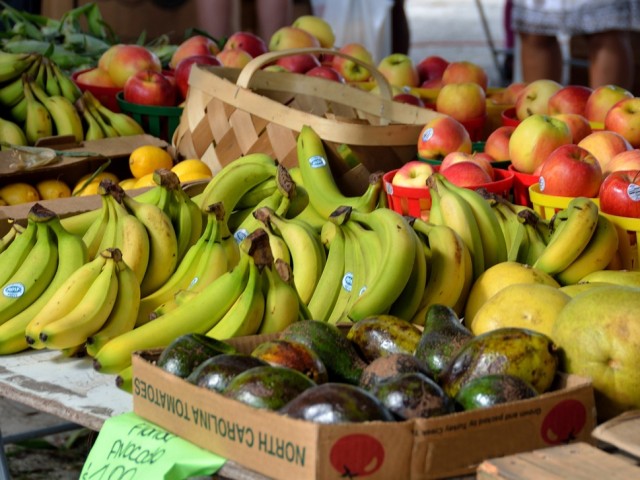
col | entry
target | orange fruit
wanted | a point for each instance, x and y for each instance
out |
(52, 188)
(192, 166)
(148, 158)
(19, 192)
(93, 189)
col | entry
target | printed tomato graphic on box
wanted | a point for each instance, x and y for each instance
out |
(564, 422)
(356, 455)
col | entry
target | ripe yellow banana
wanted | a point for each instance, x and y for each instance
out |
(38, 123)
(68, 87)
(51, 85)
(16, 253)
(93, 236)
(79, 223)
(351, 265)
(281, 304)
(91, 313)
(94, 130)
(10, 68)
(66, 118)
(116, 124)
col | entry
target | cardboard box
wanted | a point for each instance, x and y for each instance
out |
(285, 448)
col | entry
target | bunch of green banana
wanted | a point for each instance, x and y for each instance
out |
(99, 298)
(15, 229)
(100, 122)
(36, 263)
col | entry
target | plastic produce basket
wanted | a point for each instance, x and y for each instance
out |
(105, 95)
(521, 184)
(509, 117)
(160, 122)
(547, 205)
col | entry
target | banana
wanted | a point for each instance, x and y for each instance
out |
(10, 236)
(308, 214)
(18, 112)
(330, 282)
(64, 299)
(72, 254)
(457, 214)
(66, 118)
(533, 245)
(68, 87)
(51, 85)
(347, 291)
(163, 244)
(255, 195)
(93, 236)
(11, 133)
(281, 304)
(189, 221)
(318, 180)
(124, 379)
(627, 253)
(38, 123)
(122, 317)
(79, 223)
(572, 227)
(450, 268)
(630, 278)
(276, 202)
(596, 255)
(122, 124)
(107, 129)
(394, 267)
(17, 252)
(199, 315)
(13, 68)
(91, 313)
(94, 130)
(33, 276)
(109, 237)
(513, 229)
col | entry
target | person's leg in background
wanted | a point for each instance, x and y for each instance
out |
(540, 57)
(611, 59)
(400, 35)
(220, 18)
(271, 15)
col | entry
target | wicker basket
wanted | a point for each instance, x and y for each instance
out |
(232, 112)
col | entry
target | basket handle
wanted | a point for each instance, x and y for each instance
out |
(244, 79)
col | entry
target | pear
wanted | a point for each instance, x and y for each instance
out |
(598, 334)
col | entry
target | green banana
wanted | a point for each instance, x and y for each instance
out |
(65, 117)
(11, 134)
(38, 123)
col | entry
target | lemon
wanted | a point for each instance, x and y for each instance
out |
(190, 167)
(51, 189)
(19, 192)
(128, 183)
(145, 181)
(148, 158)
(94, 188)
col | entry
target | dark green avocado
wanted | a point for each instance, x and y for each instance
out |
(493, 389)
(188, 351)
(216, 372)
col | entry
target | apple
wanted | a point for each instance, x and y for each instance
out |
(569, 99)
(443, 135)
(412, 174)
(577, 123)
(351, 71)
(466, 174)
(149, 87)
(627, 160)
(434, 83)
(327, 72)
(318, 27)
(507, 95)
(463, 72)
(624, 118)
(534, 98)
(95, 77)
(247, 41)
(497, 143)
(463, 101)
(399, 70)
(570, 171)
(288, 37)
(105, 58)
(431, 68)
(604, 145)
(196, 45)
(620, 193)
(298, 63)
(127, 60)
(480, 159)
(410, 98)
(183, 69)
(602, 99)
(534, 139)
(234, 57)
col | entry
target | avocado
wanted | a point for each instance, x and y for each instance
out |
(216, 372)
(267, 387)
(338, 354)
(524, 353)
(383, 368)
(493, 389)
(188, 351)
(442, 337)
(296, 355)
(413, 395)
(382, 335)
(331, 403)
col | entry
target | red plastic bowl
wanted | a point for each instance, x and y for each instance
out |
(105, 95)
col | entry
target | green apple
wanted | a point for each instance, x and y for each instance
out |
(318, 27)
(351, 71)
(399, 70)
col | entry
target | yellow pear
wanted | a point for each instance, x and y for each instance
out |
(534, 306)
(498, 276)
(598, 334)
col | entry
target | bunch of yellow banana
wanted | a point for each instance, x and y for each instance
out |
(100, 122)
(99, 299)
(33, 267)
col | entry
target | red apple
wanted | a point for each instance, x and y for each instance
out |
(479, 159)
(534, 98)
(604, 145)
(534, 139)
(624, 118)
(507, 95)
(234, 57)
(127, 60)
(434, 83)
(413, 174)
(105, 58)
(196, 45)
(247, 41)
(602, 99)
(327, 72)
(466, 174)
(463, 72)
(431, 68)
(410, 98)
(183, 69)
(399, 70)
(298, 63)
(620, 194)
(149, 87)
(463, 101)
(288, 37)
(627, 160)
(95, 77)
(351, 71)
(569, 99)
(443, 135)
(497, 143)
(577, 123)
(570, 171)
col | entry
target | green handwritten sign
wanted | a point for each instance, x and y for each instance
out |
(131, 448)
